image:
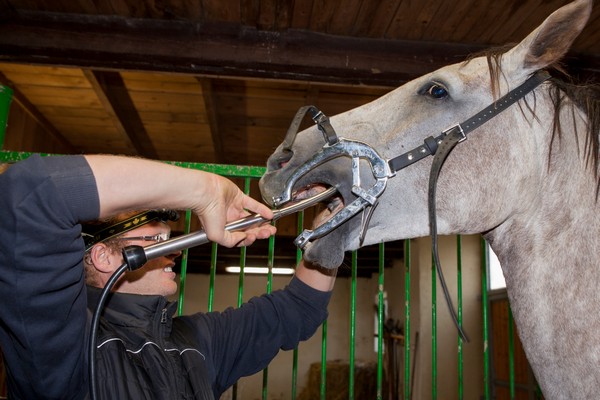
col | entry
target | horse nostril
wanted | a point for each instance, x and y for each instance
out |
(280, 159)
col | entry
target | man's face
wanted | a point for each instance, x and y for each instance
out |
(154, 278)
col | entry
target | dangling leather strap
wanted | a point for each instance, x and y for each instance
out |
(451, 138)
(444, 148)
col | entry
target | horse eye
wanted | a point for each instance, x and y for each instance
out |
(436, 91)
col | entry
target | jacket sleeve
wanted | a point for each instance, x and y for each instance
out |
(42, 289)
(243, 341)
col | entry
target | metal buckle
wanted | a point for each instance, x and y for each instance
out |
(460, 130)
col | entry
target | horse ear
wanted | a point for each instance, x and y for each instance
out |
(552, 39)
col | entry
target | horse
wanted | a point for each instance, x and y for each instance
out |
(527, 180)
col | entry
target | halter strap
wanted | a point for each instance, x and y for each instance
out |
(318, 117)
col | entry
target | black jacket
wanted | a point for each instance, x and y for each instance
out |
(145, 353)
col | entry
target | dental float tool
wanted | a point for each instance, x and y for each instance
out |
(137, 256)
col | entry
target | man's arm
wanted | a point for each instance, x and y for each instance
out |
(126, 183)
(316, 277)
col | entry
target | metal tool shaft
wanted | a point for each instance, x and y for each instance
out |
(182, 242)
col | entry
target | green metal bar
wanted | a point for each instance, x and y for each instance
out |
(459, 315)
(299, 228)
(224, 169)
(485, 262)
(221, 169)
(241, 276)
(407, 263)
(323, 387)
(14, 156)
(243, 251)
(240, 298)
(265, 383)
(294, 372)
(352, 325)
(511, 354)
(433, 330)
(5, 99)
(184, 261)
(213, 272)
(270, 262)
(380, 318)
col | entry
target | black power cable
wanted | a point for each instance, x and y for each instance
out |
(94, 329)
(135, 257)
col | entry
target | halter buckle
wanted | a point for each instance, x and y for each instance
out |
(459, 129)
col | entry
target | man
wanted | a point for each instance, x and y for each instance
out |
(142, 351)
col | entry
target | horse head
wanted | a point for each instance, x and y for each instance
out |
(486, 180)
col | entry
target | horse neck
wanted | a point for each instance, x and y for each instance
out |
(563, 211)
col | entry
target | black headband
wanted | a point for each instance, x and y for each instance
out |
(93, 234)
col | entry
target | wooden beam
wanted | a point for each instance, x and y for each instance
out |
(210, 105)
(113, 95)
(37, 116)
(226, 49)
(109, 42)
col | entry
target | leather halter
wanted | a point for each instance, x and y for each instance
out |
(439, 146)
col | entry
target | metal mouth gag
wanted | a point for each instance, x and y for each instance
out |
(335, 147)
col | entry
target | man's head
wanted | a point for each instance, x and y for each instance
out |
(105, 241)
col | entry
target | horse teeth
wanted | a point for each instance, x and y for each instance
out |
(334, 204)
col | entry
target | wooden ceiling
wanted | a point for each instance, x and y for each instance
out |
(218, 81)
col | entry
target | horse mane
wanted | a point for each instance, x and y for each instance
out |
(565, 91)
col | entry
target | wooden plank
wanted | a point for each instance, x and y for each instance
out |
(488, 18)
(82, 112)
(249, 10)
(61, 96)
(266, 18)
(211, 106)
(66, 119)
(301, 14)
(524, 19)
(222, 10)
(455, 21)
(283, 14)
(405, 19)
(36, 115)
(114, 97)
(172, 117)
(26, 80)
(160, 82)
(375, 17)
(166, 100)
(322, 14)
